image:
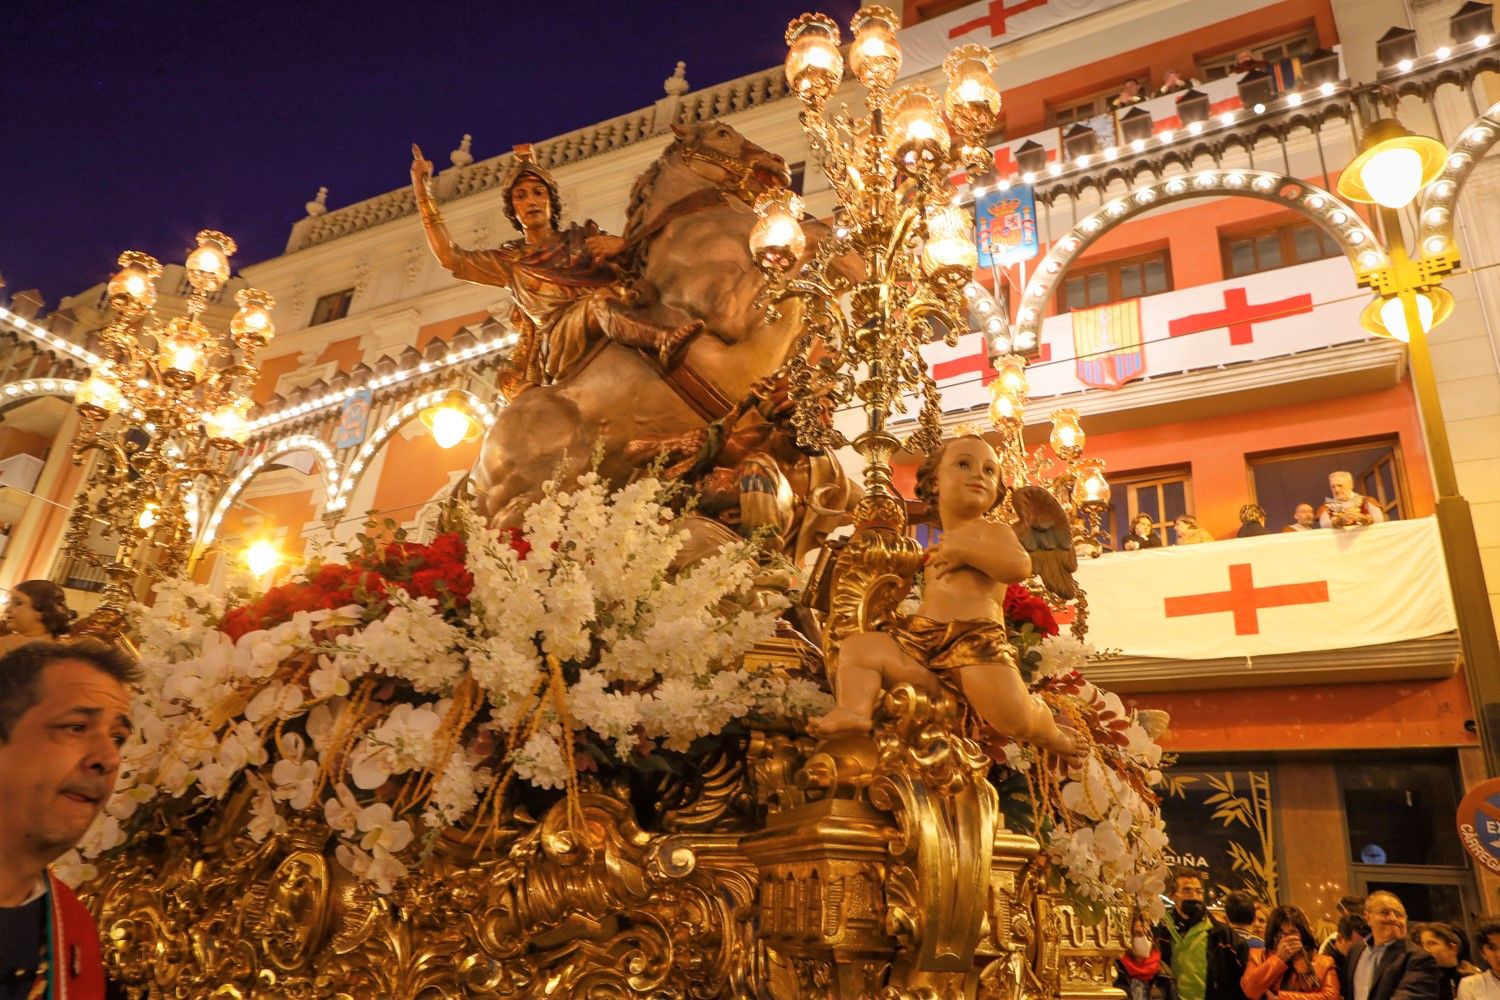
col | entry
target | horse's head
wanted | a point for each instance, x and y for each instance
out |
(722, 156)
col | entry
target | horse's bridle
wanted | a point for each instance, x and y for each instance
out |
(741, 171)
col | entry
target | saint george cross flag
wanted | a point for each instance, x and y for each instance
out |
(1282, 593)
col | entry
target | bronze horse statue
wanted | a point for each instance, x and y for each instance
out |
(687, 228)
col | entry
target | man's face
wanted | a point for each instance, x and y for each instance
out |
(1491, 951)
(1386, 917)
(1342, 487)
(532, 203)
(58, 768)
(1187, 888)
(1304, 514)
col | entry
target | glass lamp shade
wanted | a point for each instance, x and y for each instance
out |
(972, 99)
(1091, 487)
(208, 263)
(1011, 369)
(132, 290)
(918, 138)
(1393, 167)
(814, 64)
(1067, 434)
(875, 55)
(261, 557)
(1389, 317)
(251, 325)
(777, 241)
(228, 428)
(450, 424)
(949, 255)
(98, 396)
(1006, 412)
(180, 355)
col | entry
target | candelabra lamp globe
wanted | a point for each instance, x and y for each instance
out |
(814, 64)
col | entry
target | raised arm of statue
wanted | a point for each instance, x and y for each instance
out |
(460, 262)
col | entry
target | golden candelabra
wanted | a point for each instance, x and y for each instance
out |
(164, 414)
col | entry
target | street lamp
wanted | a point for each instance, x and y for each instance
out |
(450, 424)
(1409, 303)
(164, 412)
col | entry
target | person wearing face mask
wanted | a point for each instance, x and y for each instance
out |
(1290, 967)
(1201, 951)
(1140, 972)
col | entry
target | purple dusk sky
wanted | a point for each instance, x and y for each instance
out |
(134, 126)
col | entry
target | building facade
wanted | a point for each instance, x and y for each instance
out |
(1202, 316)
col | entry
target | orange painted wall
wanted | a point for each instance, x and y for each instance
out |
(1216, 448)
(1328, 717)
(447, 328)
(346, 352)
(271, 370)
(284, 515)
(18, 442)
(1026, 106)
(416, 469)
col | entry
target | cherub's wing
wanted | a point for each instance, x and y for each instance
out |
(1043, 529)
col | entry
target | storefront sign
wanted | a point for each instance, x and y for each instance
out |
(1005, 226)
(1479, 824)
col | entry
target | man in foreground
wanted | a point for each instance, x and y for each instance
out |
(64, 714)
(1387, 966)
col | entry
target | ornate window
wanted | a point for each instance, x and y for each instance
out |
(1278, 246)
(334, 305)
(1127, 278)
(1162, 495)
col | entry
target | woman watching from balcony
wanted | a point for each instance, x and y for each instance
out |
(1188, 532)
(36, 612)
(1142, 534)
(1252, 521)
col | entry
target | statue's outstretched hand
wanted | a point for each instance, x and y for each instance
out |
(421, 167)
(604, 245)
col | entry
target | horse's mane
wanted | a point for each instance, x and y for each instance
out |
(641, 190)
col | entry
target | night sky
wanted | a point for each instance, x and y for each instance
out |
(132, 126)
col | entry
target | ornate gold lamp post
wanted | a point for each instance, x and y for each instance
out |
(1409, 303)
(164, 414)
(901, 252)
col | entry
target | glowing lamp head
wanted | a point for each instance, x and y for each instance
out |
(133, 288)
(450, 424)
(875, 55)
(1006, 412)
(918, 138)
(228, 428)
(251, 325)
(1394, 166)
(1398, 315)
(1091, 487)
(1067, 435)
(1011, 371)
(949, 255)
(814, 64)
(208, 262)
(181, 356)
(98, 396)
(147, 518)
(972, 99)
(261, 557)
(777, 241)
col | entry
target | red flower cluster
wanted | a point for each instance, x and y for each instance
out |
(332, 586)
(1022, 607)
(435, 570)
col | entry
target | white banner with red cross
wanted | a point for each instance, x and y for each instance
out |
(1282, 593)
(1258, 316)
(989, 23)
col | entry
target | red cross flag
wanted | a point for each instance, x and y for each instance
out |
(1280, 593)
(990, 23)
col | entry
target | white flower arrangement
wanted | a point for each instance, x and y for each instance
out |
(388, 726)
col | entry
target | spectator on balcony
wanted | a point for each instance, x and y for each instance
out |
(1304, 518)
(1142, 534)
(1346, 508)
(1252, 521)
(1130, 94)
(1172, 82)
(1246, 62)
(1188, 532)
(37, 612)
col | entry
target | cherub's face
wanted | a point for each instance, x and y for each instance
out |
(968, 477)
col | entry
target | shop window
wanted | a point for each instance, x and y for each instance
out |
(1401, 812)
(1280, 246)
(1221, 823)
(1115, 281)
(332, 306)
(1285, 479)
(1163, 495)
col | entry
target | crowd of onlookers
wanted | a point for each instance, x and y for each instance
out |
(1343, 509)
(1255, 953)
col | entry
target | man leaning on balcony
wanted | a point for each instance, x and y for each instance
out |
(1346, 508)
